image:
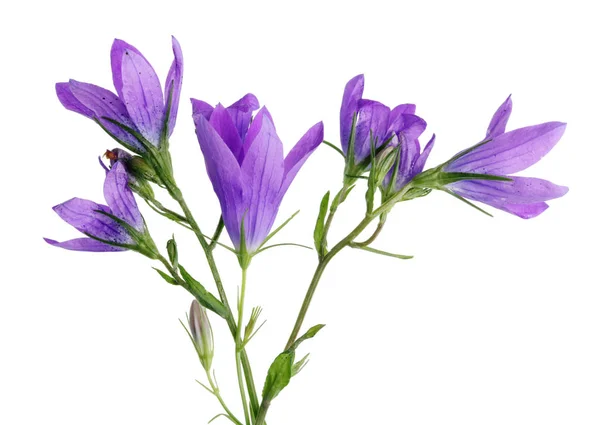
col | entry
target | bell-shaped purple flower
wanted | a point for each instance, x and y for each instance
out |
(245, 163)
(97, 222)
(375, 121)
(139, 103)
(502, 154)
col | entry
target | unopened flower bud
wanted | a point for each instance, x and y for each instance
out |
(384, 161)
(202, 334)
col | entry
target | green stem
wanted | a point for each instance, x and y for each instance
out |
(376, 233)
(239, 346)
(217, 394)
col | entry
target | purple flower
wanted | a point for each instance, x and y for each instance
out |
(245, 163)
(95, 221)
(502, 154)
(373, 119)
(139, 103)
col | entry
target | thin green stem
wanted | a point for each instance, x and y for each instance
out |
(239, 346)
(375, 234)
(217, 394)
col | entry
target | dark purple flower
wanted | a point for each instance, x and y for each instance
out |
(373, 119)
(87, 217)
(502, 154)
(139, 103)
(245, 163)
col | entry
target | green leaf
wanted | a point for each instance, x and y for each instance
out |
(279, 375)
(204, 297)
(320, 225)
(380, 252)
(165, 276)
(309, 334)
(172, 250)
(299, 365)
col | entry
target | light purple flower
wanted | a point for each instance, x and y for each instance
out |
(245, 163)
(139, 103)
(374, 119)
(84, 215)
(504, 154)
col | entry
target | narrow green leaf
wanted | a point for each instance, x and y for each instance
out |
(335, 148)
(204, 297)
(380, 252)
(165, 276)
(279, 375)
(309, 334)
(320, 225)
(299, 365)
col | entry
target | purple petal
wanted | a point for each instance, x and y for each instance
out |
(413, 126)
(139, 88)
(120, 198)
(174, 80)
(225, 175)
(84, 216)
(420, 163)
(352, 94)
(225, 127)
(262, 174)
(409, 153)
(396, 116)
(85, 244)
(498, 124)
(241, 113)
(511, 152)
(200, 107)
(373, 118)
(299, 154)
(525, 210)
(254, 129)
(98, 103)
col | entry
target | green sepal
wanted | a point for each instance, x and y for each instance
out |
(320, 226)
(380, 252)
(307, 335)
(460, 198)
(244, 257)
(172, 251)
(279, 375)
(372, 181)
(204, 297)
(444, 178)
(274, 232)
(143, 241)
(165, 276)
(416, 192)
(335, 148)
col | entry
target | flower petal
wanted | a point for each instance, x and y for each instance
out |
(84, 216)
(223, 123)
(174, 80)
(139, 88)
(97, 103)
(352, 94)
(511, 152)
(254, 129)
(373, 118)
(241, 113)
(420, 162)
(262, 174)
(498, 124)
(85, 244)
(396, 116)
(200, 107)
(120, 198)
(225, 175)
(299, 154)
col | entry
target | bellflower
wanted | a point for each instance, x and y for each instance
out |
(119, 223)
(139, 103)
(502, 154)
(245, 163)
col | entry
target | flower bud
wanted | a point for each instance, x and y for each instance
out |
(384, 161)
(201, 334)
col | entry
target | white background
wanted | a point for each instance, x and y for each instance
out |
(495, 321)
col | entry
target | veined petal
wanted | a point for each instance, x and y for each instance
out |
(511, 152)
(98, 103)
(372, 121)
(225, 175)
(262, 174)
(85, 244)
(299, 154)
(174, 80)
(84, 216)
(396, 116)
(225, 127)
(498, 124)
(254, 129)
(413, 126)
(241, 113)
(200, 107)
(420, 163)
(352, 94)
(140, 90)
(120, 198)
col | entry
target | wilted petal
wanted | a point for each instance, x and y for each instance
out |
(84, 216)
(200, 107)
(241, 113)
(120, 198)
(85, 244)
(352, 94)
(511, 152)
(139, 88)
(498, 124)
(173, 82)
(225, 175)
(300, 153)
(222, 122)
(372, 122)
(262, 174)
